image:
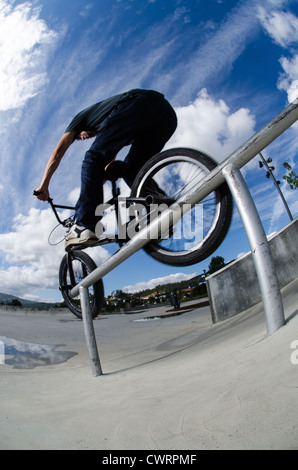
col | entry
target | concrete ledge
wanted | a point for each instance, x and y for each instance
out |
(235, 288)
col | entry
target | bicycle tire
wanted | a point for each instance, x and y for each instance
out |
(82, 265)
(202, 164)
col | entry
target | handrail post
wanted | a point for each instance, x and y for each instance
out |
(261, 254)
(89, 332)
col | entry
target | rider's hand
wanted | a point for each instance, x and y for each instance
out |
(43, 194)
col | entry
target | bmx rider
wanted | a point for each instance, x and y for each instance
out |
(141, 118)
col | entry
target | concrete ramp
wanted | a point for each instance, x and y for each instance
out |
(171, 383)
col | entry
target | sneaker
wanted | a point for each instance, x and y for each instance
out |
(79, 236)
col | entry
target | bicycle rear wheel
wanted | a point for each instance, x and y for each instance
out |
(200, 231)
(74, 267)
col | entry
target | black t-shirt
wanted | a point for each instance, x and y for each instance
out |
(89, 119)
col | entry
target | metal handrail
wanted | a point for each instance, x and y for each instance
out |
(239, 158)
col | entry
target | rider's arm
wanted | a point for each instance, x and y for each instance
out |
(53, 163)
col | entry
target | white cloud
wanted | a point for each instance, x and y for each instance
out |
(208, 125)
(281, 26)
(73, 196)
(171, 278)
(85, 12)
(22, 39)
(289, 80)
(34, 264)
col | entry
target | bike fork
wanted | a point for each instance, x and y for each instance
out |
(69, 259)
(70, 268)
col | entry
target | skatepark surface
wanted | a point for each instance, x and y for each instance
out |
(169, 382)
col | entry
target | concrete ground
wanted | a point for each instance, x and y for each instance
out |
(174, 383)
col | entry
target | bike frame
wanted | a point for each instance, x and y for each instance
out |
(114, 201)
(58, 206)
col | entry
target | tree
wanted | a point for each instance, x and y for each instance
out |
(216, 263)
(291, 178)
(15, 303)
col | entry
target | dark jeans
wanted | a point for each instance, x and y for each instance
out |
(145, 121)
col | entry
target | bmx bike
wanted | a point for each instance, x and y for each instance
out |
(164, 179)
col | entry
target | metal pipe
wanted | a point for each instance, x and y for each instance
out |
(239, 158)
(89, 332)
(259, 246)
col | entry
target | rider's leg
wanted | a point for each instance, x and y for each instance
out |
(83, 232)
(151, 141)
(91, 194)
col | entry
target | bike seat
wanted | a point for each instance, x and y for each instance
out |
(116, 170)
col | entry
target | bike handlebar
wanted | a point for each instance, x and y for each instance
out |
(54, 207)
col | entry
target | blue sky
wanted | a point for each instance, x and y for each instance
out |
(228, 67)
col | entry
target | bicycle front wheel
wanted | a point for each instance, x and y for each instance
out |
(74, 267)
(200, 231)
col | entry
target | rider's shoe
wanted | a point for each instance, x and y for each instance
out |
(79, 236)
